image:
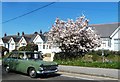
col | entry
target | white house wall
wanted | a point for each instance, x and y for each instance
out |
(105, 44)
(22, 42)
(47, 49)
(110, 43)
(11, 44)
(116, 36)
(1, 42)
(39, 42)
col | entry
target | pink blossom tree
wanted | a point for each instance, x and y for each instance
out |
(74, 36)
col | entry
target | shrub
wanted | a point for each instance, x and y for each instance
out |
(3, 49)
(64, 56)
(29, 47)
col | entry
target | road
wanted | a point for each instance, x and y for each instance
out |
(57, 76)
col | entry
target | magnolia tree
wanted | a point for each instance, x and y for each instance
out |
(74, 36)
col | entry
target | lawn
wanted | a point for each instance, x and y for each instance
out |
(113, 65)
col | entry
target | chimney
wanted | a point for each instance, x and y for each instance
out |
(41, 32)
(18, 34)
(23, 33)
(35, 32)
(5, 35)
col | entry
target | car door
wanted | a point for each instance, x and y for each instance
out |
(21, 63)
(12, 60)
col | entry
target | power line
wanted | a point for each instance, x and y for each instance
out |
(28, 13)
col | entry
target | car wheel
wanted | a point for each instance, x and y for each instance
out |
(32, 73)
(7, 69)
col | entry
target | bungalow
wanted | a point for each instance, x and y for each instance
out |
(110, 35)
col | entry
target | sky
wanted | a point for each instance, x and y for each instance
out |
(43, 19)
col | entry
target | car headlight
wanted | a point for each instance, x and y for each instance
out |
(40, 68)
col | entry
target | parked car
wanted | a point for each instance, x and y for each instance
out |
(29, 62)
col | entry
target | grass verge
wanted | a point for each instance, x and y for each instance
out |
(112, 65)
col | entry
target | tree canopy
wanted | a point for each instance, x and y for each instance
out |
(74, 36)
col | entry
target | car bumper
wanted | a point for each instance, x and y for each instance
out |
(43, 72)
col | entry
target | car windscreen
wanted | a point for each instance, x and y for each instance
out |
(33, 55)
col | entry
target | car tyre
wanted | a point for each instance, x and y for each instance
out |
(7, 69)
(32, 73)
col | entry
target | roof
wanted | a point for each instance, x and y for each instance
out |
(16, 38)
(6, 39)
(28, 37)
(44, 38)
(105, 30)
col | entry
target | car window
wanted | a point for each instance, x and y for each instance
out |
(33, 55)
(10, 56)
(14, 55)
(21, 56)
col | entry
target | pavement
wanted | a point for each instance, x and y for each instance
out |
(103, 72)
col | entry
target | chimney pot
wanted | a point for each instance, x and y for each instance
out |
(5, 35)
(23, 33)
(18, 34)
(41, 32)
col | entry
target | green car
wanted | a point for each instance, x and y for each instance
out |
(28, 62)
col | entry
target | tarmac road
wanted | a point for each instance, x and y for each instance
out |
(57, 76)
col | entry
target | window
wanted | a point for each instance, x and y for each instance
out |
(104, 44)
(40, 46)
(117, 41)
(23, 44)
(20, 56)
(12, 43)
(38, 42)
(49, 47)
(43, 46)
(13, 55)
(116, 44)
(109, 43)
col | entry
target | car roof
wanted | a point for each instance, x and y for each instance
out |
(26, 52)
